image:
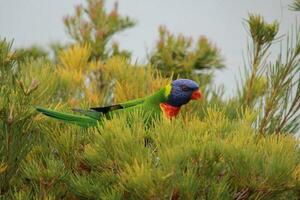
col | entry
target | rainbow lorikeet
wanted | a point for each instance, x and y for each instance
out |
(167, 100)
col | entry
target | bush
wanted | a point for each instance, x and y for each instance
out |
(238, 148)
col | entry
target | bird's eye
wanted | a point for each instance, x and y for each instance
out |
(184, 88)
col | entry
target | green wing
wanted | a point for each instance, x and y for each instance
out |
(98, 112)
(124, 105)
(149, 105)
(91, 116)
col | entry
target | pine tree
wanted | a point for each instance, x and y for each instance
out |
(92, 24)
(22, 85)
(272, 88)
(177, 56)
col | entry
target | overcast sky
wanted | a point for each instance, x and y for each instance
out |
(40, 22)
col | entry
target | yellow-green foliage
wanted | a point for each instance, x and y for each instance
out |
(132, 81)
(176, 55)
(206, 153)
(214, 158)
(22, 85)
(211, 151)
(93, 24)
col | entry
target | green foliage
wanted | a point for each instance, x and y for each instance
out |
(212, 151)
(33, 52)
(295, 5)
(22, 85)
(272, 88)
(187, 158)
(262, 35)
(93, 25)
(177, 56)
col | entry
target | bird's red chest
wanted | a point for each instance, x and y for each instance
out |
(169, 111)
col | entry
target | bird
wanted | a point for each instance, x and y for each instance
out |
(167, 101)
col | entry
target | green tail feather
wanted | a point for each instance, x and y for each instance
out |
(89, 113)
(82, 121)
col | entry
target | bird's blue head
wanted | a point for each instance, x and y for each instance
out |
(181, 91)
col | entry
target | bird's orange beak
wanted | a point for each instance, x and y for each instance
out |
(196, 95)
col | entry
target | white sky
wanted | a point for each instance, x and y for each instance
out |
(40, 22)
